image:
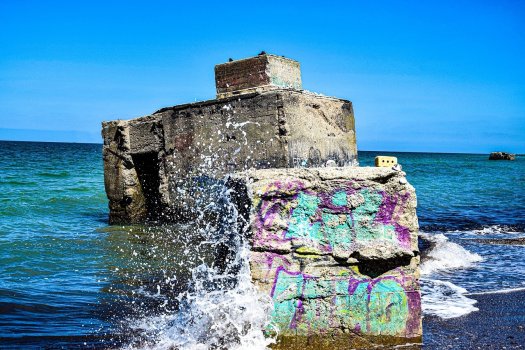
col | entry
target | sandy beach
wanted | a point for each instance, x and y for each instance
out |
(499, 324)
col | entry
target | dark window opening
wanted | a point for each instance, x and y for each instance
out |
(147, 167)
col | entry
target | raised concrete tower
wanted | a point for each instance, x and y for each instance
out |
(256, 74)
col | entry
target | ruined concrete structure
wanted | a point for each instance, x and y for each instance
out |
(333, 245)
(152, 163)
(336, 250)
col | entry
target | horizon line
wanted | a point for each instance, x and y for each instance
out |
(377, 151)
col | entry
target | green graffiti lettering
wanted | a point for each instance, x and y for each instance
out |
(286, 293)
(378, 307)
(364, 217)
(300, 225)
(388, 308)
(337, 230)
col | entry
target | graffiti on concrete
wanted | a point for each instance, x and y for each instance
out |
(308, 303)
(337, 219)
(309, 299)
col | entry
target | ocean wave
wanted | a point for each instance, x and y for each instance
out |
(444, 299)
(445, 255)
(499, 229)
(18, 183)
(474, 228)
(226, 319)
(59, 174)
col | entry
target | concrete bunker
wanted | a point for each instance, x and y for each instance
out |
(260, 119)
(332, 244)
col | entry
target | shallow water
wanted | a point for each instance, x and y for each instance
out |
(69, 280)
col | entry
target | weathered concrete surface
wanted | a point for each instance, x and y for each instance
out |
(163, 164)
(123, 188)
(336, 250)
(502, 156)
(256, 74)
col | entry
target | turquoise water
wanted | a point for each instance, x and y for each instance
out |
(69, 280)
(52, 259)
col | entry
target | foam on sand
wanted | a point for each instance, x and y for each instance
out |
(442, 298)
(445, 299)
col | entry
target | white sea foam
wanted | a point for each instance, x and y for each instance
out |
(222, 309)
(487, 230)
(446, 255)
(500, 291)
(496, 229)
(445, 299)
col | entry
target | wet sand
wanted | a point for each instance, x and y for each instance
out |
(499, 324)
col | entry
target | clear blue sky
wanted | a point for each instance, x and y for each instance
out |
(443, 76)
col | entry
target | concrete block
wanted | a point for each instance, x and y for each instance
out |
(179, 152)
(256, 74)
(336, 249)
(385, 161)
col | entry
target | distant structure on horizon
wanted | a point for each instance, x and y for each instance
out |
(502, 156)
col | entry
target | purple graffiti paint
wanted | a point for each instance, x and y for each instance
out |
(276, 278)
(413, 325)
(299, 311)
(273, 206)
(280, 194)
(386, 215)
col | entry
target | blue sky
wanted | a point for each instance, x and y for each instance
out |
(442, 76)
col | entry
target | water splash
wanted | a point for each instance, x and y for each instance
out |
(189, 286)
(204, 297)
(223, 318)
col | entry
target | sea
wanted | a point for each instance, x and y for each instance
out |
(68, 280)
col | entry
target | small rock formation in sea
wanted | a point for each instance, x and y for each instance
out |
(502, 156)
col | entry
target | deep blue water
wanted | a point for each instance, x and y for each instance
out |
(69, 280)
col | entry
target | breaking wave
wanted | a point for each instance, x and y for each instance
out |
(445, 255)
(500, 291)
(498, 229)
(220, 308)
(443, 298)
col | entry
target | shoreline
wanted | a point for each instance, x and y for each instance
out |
(499, 324)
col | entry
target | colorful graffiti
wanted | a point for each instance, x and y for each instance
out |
(307, 303)
(309, 299)
(328, 220)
